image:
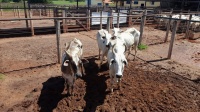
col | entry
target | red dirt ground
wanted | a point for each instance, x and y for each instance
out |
(148, 85)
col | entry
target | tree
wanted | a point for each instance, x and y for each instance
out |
(40, 1)
(17, 0)
(6, 1)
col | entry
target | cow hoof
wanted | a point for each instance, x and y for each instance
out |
(111, 90)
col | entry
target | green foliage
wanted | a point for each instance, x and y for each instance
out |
(40, 1)
(75, 0)
(17, 0)
(59, 2)
(6, 1)
(142, 46)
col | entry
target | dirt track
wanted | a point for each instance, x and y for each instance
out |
(145, 87)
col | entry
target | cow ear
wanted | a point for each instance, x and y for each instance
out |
(112, 61)
(101, 32)
(66, 63)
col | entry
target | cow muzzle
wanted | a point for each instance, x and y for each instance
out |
(118, 76)
(107, 46)
(78, 75)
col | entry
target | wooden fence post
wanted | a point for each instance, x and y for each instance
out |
(108, 23)
(130, 18)
(31, 23)
(101, 19)
(188, 26)
(118, 19)
(55, 15)
(64, 21)
(18, 13)
(145, 13)
(111, 19)
(158, 25)
(1, 10)
(25, 14)
(49, 12)
(172, 39)
(14, 11)
(40, 12)
(89, 19)
(168, 28)
(142, 24)
(58, 39)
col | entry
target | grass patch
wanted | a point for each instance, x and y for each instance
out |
(68, 3)
(2, 76)
(142, 46)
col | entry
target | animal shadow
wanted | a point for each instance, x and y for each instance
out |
(95, 86)
(51, 94)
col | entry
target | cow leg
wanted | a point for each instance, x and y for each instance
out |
(72, 89)
(119, 83)
(68, 89)
(99, 54)
(111, 84)
(82, 69)
(101, 61)
(135, 52)
(129, 51)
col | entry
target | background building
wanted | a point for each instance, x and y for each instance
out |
(175, 4)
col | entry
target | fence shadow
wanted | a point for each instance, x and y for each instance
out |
(51, 94)
(163, 59)
(95, 86)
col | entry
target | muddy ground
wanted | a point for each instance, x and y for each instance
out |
(31, 80)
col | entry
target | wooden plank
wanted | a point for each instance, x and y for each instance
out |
(172, 39)
(78, 22)
(74, 26)
(168, 28)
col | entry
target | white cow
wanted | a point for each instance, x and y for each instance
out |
(71, 64)
(103, 40)
(130, 37)
(117, 61)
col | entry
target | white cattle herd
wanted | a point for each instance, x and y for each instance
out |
(113, 46)
(194, 25)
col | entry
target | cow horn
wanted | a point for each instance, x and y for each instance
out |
(113, 48)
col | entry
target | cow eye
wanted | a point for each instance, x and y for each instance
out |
(103, 37)
(113, 38)
(80, 46)
(113, 61)
(125, 62)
